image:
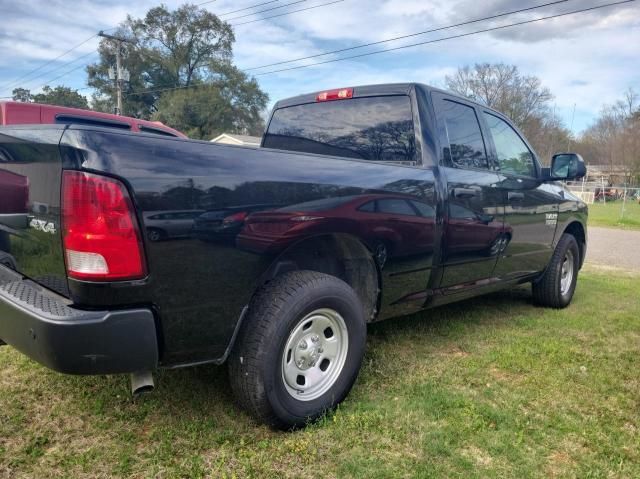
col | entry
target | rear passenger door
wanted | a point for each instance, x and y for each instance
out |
(474, 220)
(531, 207)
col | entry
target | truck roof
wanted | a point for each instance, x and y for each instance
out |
(380, 89)
(22, 113)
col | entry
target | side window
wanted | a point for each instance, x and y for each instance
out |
(460, 212)
(369, 207)
(466, 146)
(395, 207)
(514, 156)
(424, 209)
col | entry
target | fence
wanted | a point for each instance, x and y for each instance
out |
(609, 204)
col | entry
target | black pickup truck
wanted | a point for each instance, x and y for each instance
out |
(362, 204)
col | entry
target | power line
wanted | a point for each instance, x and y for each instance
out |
(468, 22)
(17, 83)
(246, 8)
(18, 80)
(64, 74)
(283, 14)
(450, 37)
(267, 10)
(59, 68)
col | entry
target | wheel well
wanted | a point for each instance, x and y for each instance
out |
(339, 255)
(577, 231)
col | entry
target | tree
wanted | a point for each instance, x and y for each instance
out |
(520, 97)
(613, 139)
(60, 95)
(231, 103)
(168, 50)
(21, 94)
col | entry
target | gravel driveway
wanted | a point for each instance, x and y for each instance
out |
(614, 247)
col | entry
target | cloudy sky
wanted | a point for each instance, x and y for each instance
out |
(586, 59)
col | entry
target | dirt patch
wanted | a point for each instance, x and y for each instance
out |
(477, 455)
(453, 352)
(558, 463)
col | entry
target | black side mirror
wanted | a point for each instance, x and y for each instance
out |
(567, 166)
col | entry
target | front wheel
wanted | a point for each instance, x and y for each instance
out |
(558, 283)
(299, 349)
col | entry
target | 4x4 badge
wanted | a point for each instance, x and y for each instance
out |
(42, 225)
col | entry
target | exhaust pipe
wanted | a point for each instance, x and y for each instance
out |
(141, 382)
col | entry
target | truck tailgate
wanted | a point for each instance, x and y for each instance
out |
(30, 179)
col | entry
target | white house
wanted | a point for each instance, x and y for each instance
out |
(238, 140)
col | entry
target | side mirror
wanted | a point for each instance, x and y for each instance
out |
(567, 166)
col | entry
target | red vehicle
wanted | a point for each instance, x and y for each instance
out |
(471, 232)
(21, 113)
(14, 193)
(390, 225)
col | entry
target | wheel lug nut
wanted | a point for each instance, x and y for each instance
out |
(302, 344)
(315, 338)
(300, 362)
(320, 350)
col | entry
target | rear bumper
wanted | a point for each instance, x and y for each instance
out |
(43, 326)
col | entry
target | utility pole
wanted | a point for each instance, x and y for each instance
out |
(120, 75)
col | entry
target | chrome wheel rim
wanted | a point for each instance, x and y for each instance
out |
(496, 246)
(566, 273)
(315, 354)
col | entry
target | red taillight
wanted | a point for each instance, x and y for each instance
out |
(339, 94)
(236, 217)
(101, 237)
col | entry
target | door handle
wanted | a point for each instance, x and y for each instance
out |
(514, 196)
(465, 192)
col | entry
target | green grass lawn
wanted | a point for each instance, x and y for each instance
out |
(492, 387)
(610, 214)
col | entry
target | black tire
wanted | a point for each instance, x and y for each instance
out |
(548, 290)
(257, 361)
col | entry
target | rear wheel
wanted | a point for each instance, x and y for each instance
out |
(299, 350)
(558, 283)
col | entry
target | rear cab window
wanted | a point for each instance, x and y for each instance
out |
(377, 128)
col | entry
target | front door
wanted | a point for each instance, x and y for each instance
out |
(531, 207)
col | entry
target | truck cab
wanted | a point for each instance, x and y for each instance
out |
(498, 217)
